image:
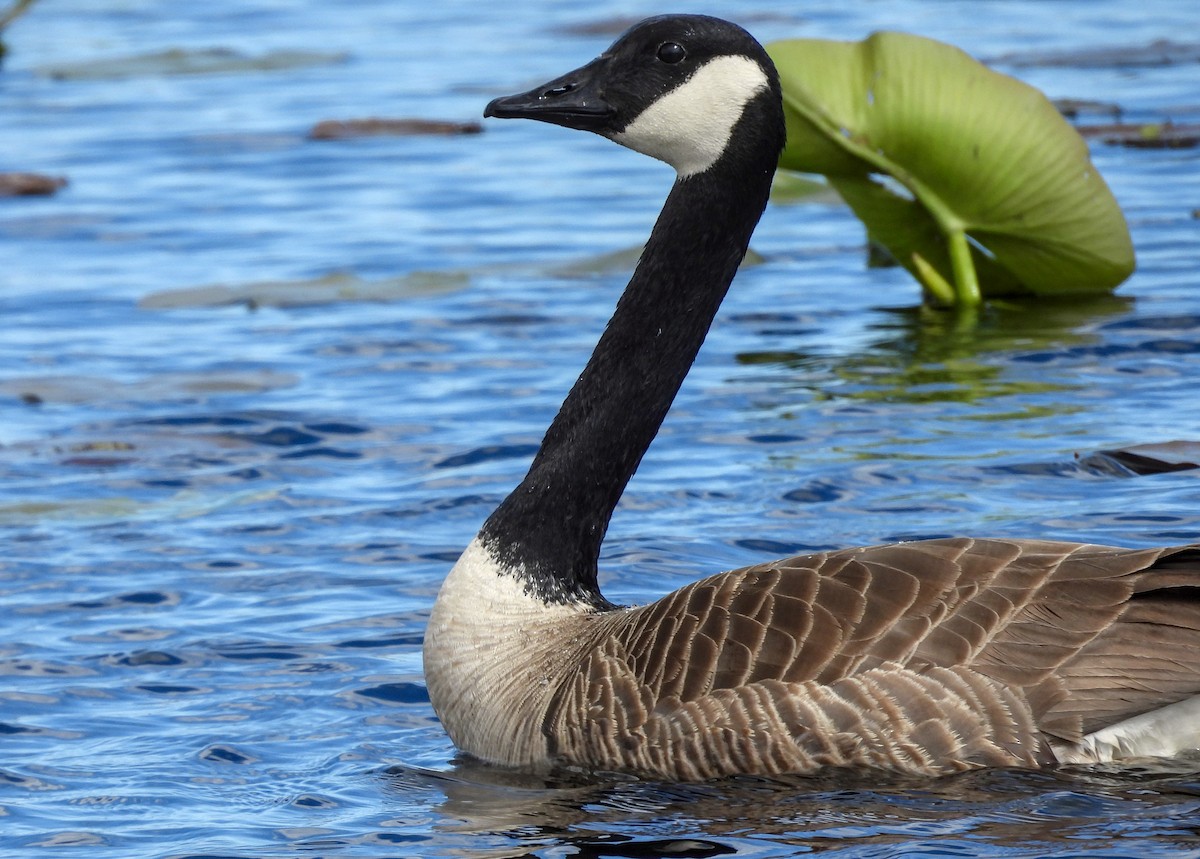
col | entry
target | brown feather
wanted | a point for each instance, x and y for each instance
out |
(927, 657)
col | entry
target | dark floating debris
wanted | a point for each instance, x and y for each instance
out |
(341, 129)
(1144, 459)
(1161, 52)
(615, 25)
(1148, 135)
(1164, 134)
(30, 184)
(1074, 108)
(606, 27)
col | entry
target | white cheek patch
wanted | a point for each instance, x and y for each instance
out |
(690, 126)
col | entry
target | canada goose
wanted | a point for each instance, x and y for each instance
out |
(926, 657)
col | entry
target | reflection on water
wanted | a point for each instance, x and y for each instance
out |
(1031, 812)
(924, 354)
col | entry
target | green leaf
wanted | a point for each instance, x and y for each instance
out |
(912, 236)
(997, 191)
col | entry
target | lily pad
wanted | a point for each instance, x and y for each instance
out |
(328, 289)
(616, 262)
(40, 390)
(185, 504)
(339, 129)
(972, 179)
(178, 61)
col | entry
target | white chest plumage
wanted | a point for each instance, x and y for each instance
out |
(493, 653)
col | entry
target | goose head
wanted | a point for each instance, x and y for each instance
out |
(674, 87)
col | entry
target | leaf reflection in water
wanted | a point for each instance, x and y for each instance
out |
(928, 355)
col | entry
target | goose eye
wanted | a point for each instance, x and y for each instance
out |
(671, 52)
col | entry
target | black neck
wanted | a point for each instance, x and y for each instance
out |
(550, 527)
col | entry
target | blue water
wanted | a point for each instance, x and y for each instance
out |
(224, 524)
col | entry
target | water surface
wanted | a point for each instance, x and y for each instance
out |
(224, 524)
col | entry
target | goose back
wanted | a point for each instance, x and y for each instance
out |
(928, 657)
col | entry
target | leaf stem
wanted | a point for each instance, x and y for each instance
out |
(966, 282)
(932, 280)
